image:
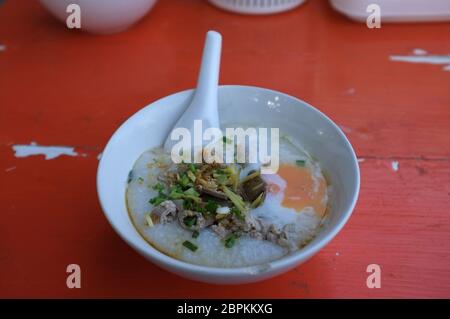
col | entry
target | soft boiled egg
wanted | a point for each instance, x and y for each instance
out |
(296, 191)
(305, 187)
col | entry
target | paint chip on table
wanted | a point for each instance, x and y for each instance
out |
(421, 56)
(2, 47)
(350, 91)
(9, 169)
(420, 52)
(50, 152)
(395, 166)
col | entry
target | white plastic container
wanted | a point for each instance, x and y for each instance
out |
(396, 10)
(102, 16)
(257, 6)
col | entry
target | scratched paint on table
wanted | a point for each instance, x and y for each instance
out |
(394, 165)
(50, 152)
(421, 56)
(350, 91)
(420, 52)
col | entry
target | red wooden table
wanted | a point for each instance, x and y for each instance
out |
(63, 87)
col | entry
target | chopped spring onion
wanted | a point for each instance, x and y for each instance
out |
(158, 187)
(237, 213)
(235, 199)
(235, 176)
(191, 192)
(230, 240)
(191, 204)
(211, 206)
(195, 234)
(158, 199)
(184, 180)
(190, 221)
(175, 194)
(207, 184)
(300, 163)
(190, 245)
(222, 179)
(191, 176)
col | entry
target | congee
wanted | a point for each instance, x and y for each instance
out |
(228, 215)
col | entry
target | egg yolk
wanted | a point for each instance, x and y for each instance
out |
(302, 189)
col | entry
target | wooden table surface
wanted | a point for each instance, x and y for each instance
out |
(69, 88)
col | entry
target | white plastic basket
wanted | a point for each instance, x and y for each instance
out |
(257, 6)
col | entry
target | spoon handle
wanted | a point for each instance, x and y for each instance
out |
(208, 79)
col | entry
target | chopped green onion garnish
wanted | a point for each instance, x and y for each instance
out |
(222, 179)
(195, 234)
(191, 176)
(192, 168)
(191, 192)
(190, 221)
(211, 206)
(230, 240)
(300, 163)
(193, 203)
(237, 213)
(174, 194)
(235, 199)
(158, 199)
(190, 245)
(188, 204)
(158, 187)
(184, 180)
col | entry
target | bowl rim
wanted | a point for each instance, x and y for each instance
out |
(284, 262)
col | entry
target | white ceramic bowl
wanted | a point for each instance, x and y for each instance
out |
(102, 16)
(252, 106)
